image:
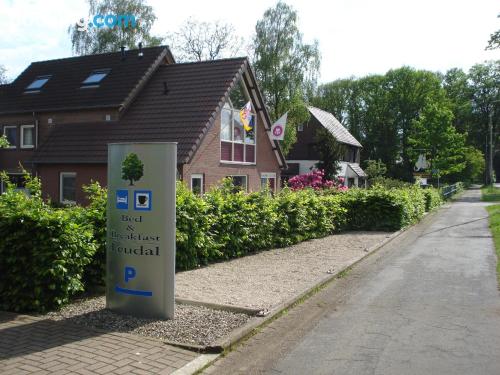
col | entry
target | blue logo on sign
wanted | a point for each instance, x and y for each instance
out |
(142, 200)
(129, 274)
(122, 199)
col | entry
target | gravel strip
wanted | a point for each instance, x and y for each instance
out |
(266, 279)
(192, 324)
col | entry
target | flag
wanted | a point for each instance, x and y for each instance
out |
(278, 128)
(246, 117)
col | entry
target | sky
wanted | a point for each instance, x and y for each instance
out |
(356, 37)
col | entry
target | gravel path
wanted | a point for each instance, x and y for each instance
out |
(192, 324)
(268, 278)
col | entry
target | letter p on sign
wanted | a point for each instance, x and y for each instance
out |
(129, 273)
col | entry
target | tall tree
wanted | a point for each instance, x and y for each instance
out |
(105, 39)
(329, 151)
(199, 41)
(434, 135)
(286, 67)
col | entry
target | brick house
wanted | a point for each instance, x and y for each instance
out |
(59, 116)
(303, 156)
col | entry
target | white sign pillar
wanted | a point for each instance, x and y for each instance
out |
(140, 259)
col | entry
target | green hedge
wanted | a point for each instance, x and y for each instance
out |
(383, 209)
(63, 250)
(433, 199)
(43, 251)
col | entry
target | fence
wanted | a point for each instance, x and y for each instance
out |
(449, 190)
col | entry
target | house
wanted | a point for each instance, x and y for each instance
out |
(59, 116)
(303, 156)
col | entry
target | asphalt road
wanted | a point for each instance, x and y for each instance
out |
(427, 303)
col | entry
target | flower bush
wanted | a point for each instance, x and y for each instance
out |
(315, 180)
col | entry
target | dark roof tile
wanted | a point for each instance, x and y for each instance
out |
(195, 94)
(63, 90)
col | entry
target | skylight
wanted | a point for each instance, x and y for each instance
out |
(38, 83)
(95, 77)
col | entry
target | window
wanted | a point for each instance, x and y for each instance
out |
(37, 84)
(17, 179)
(237, 143)
(11, 133)
(300, 127)
(239, 182)
(27, 136)
(95, 78)
(197, 184)
(268, 180)
(68, 187)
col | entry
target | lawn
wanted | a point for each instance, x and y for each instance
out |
(490, 194)
(494, 212)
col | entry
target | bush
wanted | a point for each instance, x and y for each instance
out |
(195, 244)
(64, 249)
(95, 216)
(383, 209)
(43, 251)
(433, 198)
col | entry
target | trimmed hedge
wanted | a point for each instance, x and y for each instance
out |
(433, 199)
(383, 209)
(43, 251)
(64, 250)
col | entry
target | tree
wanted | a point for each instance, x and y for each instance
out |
(200, 41)
(330, 152)
(105, 39)
(132, 168)
(285, 66)
(3, 76)
(375, 168)
(494, 41)
(433, 131)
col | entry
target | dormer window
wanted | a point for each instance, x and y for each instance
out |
(95, 78)
(37, 84)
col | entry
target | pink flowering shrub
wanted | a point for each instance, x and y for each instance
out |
(316, 180)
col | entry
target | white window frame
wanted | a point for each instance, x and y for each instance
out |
(267, 176)
(61, 178)
(300, 127)
(201, 177)
(241, 175)
(232, 141)
(22, 136)
(11, 147)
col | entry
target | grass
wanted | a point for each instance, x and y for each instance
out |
(490, 194)
(494, 212)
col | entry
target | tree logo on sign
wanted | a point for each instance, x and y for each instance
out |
(132, 168)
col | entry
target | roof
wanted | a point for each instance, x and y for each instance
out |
(330, 123)
(357, 169)
(196, 93)
(353, 166)
(62, 91)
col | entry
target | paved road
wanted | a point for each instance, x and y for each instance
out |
(428, 303)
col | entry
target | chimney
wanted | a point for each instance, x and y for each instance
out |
(123, 52)
(140, 54)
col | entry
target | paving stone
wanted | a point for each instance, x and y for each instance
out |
(29, 345)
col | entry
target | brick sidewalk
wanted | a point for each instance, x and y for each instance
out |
(29, 345)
